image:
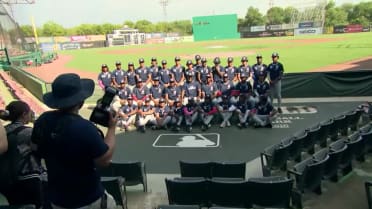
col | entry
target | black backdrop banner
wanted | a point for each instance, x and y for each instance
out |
(327, 84)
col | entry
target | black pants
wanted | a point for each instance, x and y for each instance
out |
(28, 191)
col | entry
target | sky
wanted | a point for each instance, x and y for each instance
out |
(69, 13)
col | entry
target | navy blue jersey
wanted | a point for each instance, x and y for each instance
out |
(124, 93)
(197, 67)
(275, 70)
(131, 78)
(157, 91)
(178, 72)
(191, 89)
(118, 75)
(231, 71)
(209, 89)
(146, 108)
(226, 88)
(264, 109)
(206, 106)
(126, 109)
(244, 87)
(173, 92)
(216, 77)
(203, 72)
(162, 111)
(261, 88)
(245, 70)
(177, 110)
(143, 73)
(258, 68)
(105, 78)
(193, 72)
(243, 106)
(154, 71)
(164, 76)
(226, 104)
(140, 93)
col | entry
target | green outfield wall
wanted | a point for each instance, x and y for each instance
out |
(215, 27)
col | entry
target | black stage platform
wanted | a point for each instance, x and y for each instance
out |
(161, 150)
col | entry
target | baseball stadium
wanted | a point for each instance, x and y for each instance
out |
(313, 150)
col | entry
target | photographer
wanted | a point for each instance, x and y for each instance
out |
(71, 155)
(20, 183)
(3, 140)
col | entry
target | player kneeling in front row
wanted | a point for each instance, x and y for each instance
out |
(264, 113)
(226, 110)
(207, 110)
(145, 115)
(243, 108)
(162, 115)
(127, 114)
(190, 110)
(177, 114)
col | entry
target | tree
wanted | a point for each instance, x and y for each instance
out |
(289, 12)
(53, 29)
(275, 16)
(253, 18)
(163, 27)
(183, 27)
(361, 13)
(129, 23)
(335, 16)
(27, 30)
(144, 26)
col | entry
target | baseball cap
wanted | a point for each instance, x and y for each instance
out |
(153, 59)
(204, 59)
(141, 60)
(103, 65)
(161, 100)
(230, 59)
(259, 56)
(197, 57)
(188, 62)
(129, 97)
(139, 80)
(117, 63)
(275, 54)
(147, 99)
(155, 79)
(177, 100)
(164, 62)
(225, 75)
(216, 60)
(130, 64)
(244, 59)
(177, 58)
(123, 81)
(172, 80)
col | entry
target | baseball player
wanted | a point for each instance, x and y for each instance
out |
(190, 69)
(121, 98)
(117, 75)
(178, 72)
(276, 70)
(191, 89)
(217, 70)
(190, 111)
(226, 88)
(245, 68)
(243, 109)
(258, 67)
(204, 71)
(264, 113)
(244, 87)
(140, 92)
(261, 87)
(198, 63)
(145, 115)
(207, 110)
(104, 77)
(172, 93)
(226, 110)
(143, 72)
(231, 70)
(209, 88)
(177, 114)
(127, 114)
(131, 76)
(156, 91)
(162, 115)
(164, 74)
(154, 68)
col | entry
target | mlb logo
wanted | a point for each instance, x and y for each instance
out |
(188, 140)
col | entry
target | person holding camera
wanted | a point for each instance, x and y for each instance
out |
(3, 139)
(73, 147)
(23, 185)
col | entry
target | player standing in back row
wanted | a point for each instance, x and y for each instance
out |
(276, 70)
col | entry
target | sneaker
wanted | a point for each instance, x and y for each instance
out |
(154, 127)
(178, 128)
(245, 125)
(228, 123)
(280, 110)
(269, 125)
(222, 125)
(239, 125)
(203, 127)
(142, 129)
(188, 128)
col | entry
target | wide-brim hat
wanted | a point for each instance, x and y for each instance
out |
(68, 90)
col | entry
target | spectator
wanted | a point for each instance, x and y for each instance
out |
(25, 188)
(72, 146)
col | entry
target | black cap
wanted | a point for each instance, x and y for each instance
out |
(161, 100)
(129, 97)
(225, 75)
(197, 57)
(153, 59)
(177, 58)
(147, 99)
(117, 63)
(275, 54)
(244, 59)
(189, 62)
(172, 80)
(204, 59)
(164, 62)
(259, 56)
(103, 65)
(155, 78)
(139, 80)
(217, 60)
(130, 64)
(230, 59)
(141, 60)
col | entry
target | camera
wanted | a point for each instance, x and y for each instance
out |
(101, 113)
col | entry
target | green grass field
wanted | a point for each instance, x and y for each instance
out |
(298, 54)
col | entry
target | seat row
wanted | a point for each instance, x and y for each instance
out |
(208, 169)
(227, 192)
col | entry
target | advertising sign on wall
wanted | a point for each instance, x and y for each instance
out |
(258, 28)
(353, 28)
(274, 27)
(70, 46)
(306, 25)
(308, 31)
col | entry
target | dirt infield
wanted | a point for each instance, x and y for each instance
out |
(48, 72)
(358, 64)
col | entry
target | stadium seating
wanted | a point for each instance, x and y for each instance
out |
(227, 193)
(346, 158)
(331, 167)
(115, 187)
(195, 169)
(228, 169)
(368, 185)
(134, 173)
(311, 139)
(356, 144)
(275, 157)
(17, 207)
(339, 127)
(325, 132)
